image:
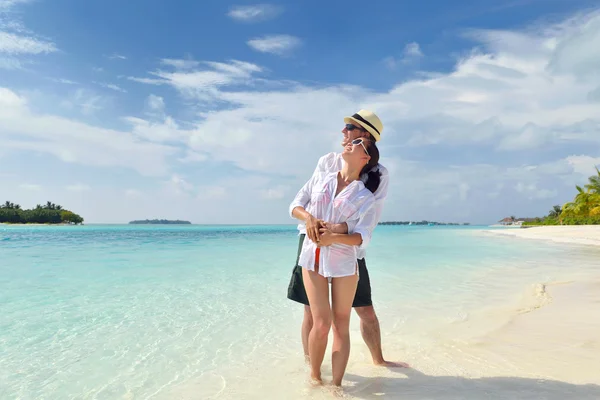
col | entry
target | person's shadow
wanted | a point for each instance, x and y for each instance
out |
(416, 385)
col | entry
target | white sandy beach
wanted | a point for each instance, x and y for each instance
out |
(580, 234)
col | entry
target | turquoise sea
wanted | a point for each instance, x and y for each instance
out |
(200, 312)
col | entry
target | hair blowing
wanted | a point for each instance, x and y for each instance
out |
(373, 177)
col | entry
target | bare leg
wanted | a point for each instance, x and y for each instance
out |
(342, 295)
(371, 333)
(307, 324)
(317, 290)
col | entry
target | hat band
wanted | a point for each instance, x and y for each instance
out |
(361, 119)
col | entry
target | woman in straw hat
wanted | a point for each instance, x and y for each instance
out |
(338, 197)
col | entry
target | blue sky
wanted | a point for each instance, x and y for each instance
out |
(217, 112)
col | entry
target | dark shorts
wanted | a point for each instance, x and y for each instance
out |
(296, 291)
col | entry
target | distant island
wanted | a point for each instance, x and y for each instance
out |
(428, 223)
(160, 222)
(583, 210)
(50, 213)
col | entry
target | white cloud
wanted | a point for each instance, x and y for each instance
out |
(193, 157)
(78, 187)
(155, 103)
(204, 83)
(30, 186)
(76, 142)
(10, 63)
(583, 164)
(65, 81)
(179, 186)
(116, 56)
(412, 52)
(533, 192)
(254, 13)
(133, 193)
(18, 44)
(180, 64)
(7, 4)
(15, 41)
(166, 130)
(275, 193)
(112, 86)
(275, 44)
(212, 192)
(85, 101)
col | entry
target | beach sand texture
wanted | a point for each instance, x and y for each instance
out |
(580, 234)
(546, 347)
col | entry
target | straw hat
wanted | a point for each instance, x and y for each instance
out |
(368, 120)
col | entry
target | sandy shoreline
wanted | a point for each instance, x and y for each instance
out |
(580, 234)
(546, 347)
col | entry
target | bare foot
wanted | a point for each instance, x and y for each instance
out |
(316, 380)
(391, 364)
(336, 391)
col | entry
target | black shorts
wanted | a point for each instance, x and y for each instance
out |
(296, 291)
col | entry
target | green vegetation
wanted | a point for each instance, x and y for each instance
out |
(160, 222)
(50, 213)
(583, 210)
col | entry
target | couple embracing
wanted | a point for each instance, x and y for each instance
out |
(338, 208)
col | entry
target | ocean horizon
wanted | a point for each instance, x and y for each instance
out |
(120, 311)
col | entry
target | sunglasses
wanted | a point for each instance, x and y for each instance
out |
(361, 142)
(351, 127)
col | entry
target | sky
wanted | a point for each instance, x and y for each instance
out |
(217, 112)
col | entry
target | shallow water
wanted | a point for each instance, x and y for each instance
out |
(196, 312)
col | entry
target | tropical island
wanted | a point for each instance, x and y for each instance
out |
(428, 223)
(50, 213)
(584, 209)
(160, 222)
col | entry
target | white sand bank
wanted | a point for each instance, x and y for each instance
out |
(581, 234)
(547, 348)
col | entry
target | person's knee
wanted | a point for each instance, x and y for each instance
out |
(341, 322)
(321, 327)
(367, 314)
(308, 318)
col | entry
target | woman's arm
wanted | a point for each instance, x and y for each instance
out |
(328, 238)
(312, 224)
(364, 222)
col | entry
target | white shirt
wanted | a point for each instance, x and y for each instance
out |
(332, 162)
(354, 204)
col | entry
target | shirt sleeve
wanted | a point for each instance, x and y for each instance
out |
(303, 196)
(366, 222)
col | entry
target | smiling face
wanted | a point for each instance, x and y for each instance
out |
(356, 152)
(353, 131)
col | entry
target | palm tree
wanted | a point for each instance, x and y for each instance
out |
(555, 212)
(582, 204)
(11, 206)
(594, 185)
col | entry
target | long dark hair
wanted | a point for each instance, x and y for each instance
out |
(373, 177)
